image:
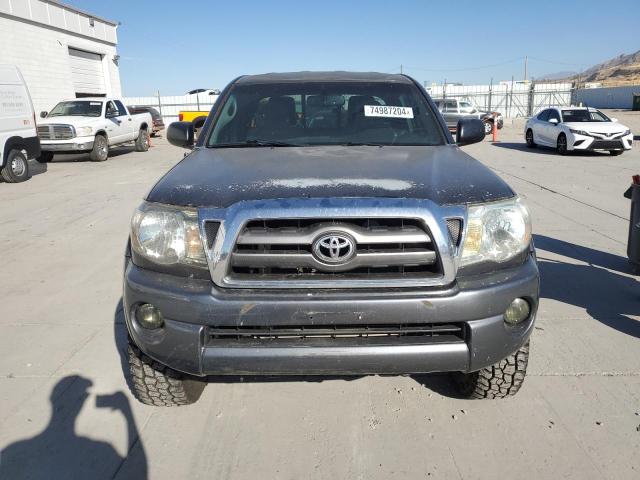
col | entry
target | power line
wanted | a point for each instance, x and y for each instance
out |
(519, 59)
(554, 62)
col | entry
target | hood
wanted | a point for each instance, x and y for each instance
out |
(62, 120)
(222, 177)
(597, 127)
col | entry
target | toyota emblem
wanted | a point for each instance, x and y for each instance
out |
(334, 248)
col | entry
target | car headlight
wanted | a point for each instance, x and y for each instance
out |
(167, 235)
(627, 132)
(496, 232)
(579, 132)
(84, 131)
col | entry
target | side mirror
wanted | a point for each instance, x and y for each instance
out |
(181, 134)
(470, 130)
(553, 120)
(43, 114)
(614, 120)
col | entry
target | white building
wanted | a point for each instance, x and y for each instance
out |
(62, 52)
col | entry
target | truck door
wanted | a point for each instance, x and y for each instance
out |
(451, 115)
(129, 130)
(115, 128)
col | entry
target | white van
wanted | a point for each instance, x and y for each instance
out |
(18, 138)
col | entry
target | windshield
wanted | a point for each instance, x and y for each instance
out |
(327, 113)
(583, 115)
(77, 108)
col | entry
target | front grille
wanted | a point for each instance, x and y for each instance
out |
(605, 144)
(56, 132)
(384, 248)
(288, 332)
(608, 136)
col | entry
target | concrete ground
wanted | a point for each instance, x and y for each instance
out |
(65, 411)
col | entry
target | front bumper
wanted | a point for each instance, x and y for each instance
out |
(584, 142)
(76, 144)
(191, 306)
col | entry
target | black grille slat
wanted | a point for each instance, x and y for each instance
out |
(334, 331)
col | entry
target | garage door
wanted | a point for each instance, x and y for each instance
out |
(87, 73)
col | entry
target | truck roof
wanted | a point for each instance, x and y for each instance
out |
(336, 76)
(88, 99)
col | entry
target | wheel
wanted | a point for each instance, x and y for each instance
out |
(100, 150)
(142, 142)
(158, 385)
(501, 380)
(16, 169)
(488, 128)
(561, 145)
(45, 157)
(529, 139)
(615, 152)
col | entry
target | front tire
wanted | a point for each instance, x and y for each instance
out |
(561, 144)
(45, 157)
(488, 127)
(529, 139)
(100, 150)
(17, 167)
(158, 385)
(142, 141)
(501, 380)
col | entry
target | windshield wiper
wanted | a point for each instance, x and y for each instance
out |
(255, 143)
(364, 144)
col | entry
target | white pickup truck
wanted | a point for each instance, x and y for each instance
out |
(91, 125)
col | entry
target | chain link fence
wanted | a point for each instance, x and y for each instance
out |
(511, 99)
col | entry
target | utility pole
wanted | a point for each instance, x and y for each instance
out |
(526, 58)
(400, 69)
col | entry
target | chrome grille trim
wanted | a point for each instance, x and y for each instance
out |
(56, 132)
(236, 217)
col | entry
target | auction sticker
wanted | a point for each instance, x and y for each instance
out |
(388, 111)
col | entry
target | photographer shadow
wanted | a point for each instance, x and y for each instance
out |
(59, 452)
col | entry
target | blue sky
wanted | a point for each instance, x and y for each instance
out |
(178, 46)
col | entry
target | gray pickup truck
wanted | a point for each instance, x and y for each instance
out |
(326, 223)
(454, 109)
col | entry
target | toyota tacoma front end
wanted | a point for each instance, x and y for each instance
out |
(326, 223)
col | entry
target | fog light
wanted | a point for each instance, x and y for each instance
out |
(149, 316)
(517, 312)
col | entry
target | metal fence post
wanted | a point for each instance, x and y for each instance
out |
(509, 110)
(159, 102)
(530, 99)
(490, 92)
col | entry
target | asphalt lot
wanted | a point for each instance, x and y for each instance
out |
(62, 236)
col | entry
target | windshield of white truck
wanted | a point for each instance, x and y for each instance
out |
(77, 108)
(327, 113)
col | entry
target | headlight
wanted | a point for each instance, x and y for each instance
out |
(84, 131)
(496, 232)
(167, 235)
(626, 132)
(580, 132)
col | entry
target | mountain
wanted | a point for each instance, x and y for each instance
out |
(557, 75)
(618, 71)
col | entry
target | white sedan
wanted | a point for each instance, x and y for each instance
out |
(577, 128)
